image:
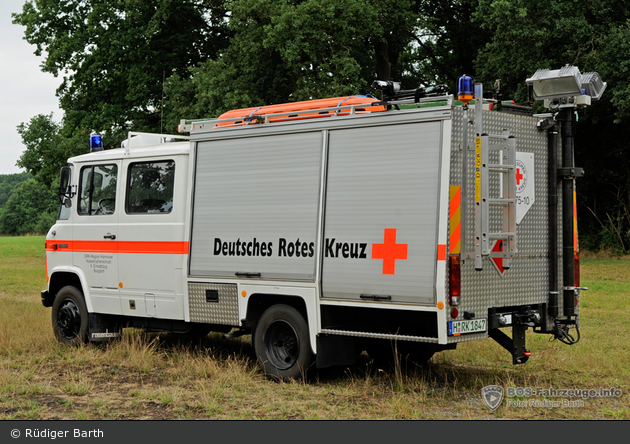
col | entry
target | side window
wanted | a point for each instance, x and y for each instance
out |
(64, 209)
(150, 187)
(97, 193)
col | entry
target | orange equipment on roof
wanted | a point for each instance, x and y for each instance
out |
(250, 116)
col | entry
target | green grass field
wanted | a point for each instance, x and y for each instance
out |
(155, 376)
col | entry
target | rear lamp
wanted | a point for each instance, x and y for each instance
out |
(455, 282)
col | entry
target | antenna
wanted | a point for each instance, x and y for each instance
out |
(162, 103)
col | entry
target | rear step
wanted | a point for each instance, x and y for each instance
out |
(363, 334)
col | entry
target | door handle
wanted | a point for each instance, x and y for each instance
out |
(247, 274)
(109, 236)
(377, 297)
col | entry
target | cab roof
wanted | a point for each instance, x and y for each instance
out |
(136, 152)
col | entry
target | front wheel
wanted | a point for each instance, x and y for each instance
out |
(70, 317)
(282, 343)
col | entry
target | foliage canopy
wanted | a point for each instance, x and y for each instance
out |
(144, 65)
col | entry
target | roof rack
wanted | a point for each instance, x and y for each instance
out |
(261, 116)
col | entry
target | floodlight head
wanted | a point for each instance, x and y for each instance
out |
(566, 82)
(388, 87)
(592, 85)
(555, 84)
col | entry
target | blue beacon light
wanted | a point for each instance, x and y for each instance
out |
(465, 89)
(96, 143)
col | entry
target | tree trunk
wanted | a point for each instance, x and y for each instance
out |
(383, 66)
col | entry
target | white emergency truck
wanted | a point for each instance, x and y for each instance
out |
(326, 228)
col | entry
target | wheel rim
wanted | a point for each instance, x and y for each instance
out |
(69, 319)
(282, 344)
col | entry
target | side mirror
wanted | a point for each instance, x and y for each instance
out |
(64, 186)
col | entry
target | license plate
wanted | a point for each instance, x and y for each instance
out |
(456, 328)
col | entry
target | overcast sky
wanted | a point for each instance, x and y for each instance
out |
(25, 90)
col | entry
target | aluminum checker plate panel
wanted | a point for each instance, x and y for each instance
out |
(223, 312)
(526, 282)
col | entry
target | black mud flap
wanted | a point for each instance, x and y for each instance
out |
(47, 299)
(335, 350)
(103, 328)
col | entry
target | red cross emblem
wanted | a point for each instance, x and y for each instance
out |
(389, 251)
(519, 176)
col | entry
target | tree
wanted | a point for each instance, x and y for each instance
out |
(44, 153)
(9, 183)
(286, 50)
(528, 35)
(144, 65)
(446, 43)
(115, 55)
(118, 58)
(32, 208)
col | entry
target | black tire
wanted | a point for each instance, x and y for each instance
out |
(70, 317)
(282, 343)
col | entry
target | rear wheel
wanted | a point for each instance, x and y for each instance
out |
(70, 317)
(282, 343)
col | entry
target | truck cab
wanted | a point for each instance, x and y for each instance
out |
(120, 237)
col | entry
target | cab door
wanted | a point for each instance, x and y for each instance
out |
(95, 231)
(152, 251)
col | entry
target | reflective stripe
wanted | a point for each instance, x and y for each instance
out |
(441, 252)
(128, 247)
(575, 232)
(455, 219)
